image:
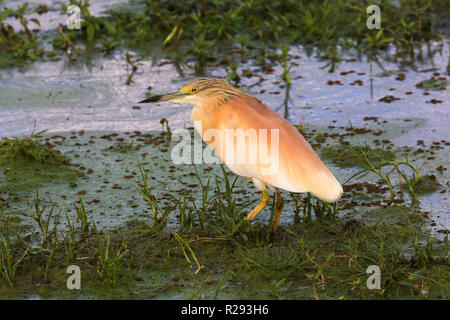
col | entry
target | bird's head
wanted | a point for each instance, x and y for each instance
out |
(196, 91)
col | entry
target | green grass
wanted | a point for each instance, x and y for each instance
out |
(318, 259)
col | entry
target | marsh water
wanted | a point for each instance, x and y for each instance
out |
(87, 99)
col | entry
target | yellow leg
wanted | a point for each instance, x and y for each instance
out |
(276, 217)
(265, 197)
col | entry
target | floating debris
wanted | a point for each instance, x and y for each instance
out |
(433, 84)
(388, 99)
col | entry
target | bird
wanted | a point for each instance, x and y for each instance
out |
(223, 109)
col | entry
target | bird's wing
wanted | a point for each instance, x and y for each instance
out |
(295, 168)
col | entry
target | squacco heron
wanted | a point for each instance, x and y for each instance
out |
(224, 109)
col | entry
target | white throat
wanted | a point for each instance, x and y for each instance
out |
(195, 100)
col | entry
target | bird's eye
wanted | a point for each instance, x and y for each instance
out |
(194, 89)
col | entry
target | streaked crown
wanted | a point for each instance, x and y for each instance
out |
(212, 85)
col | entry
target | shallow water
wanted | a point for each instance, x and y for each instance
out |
(67, 97)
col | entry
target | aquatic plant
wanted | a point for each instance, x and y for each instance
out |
(12, 251)
(286, 78)
(29, 150)
(160, 215)
(184, 245)
(28, 163)
(22, 46)
(206, 31)
(109, 260)
(82, 217)
(47, 222)
(379, 169)
(92, 27)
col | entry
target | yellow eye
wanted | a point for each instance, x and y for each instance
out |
(194, 89)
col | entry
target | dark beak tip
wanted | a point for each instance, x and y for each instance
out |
(151, 99)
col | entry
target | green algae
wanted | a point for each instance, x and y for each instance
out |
(28, 151)
(343, 156)
(26, 163)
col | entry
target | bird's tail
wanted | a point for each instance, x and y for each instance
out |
(326, 187)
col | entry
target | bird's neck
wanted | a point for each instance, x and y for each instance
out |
(205, 111)
(204, 115)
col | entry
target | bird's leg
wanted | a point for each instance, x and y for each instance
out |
(264, 199)
(279, 209)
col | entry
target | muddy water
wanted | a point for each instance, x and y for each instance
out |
(67, 97)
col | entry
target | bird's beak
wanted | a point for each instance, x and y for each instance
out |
(164, 97)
